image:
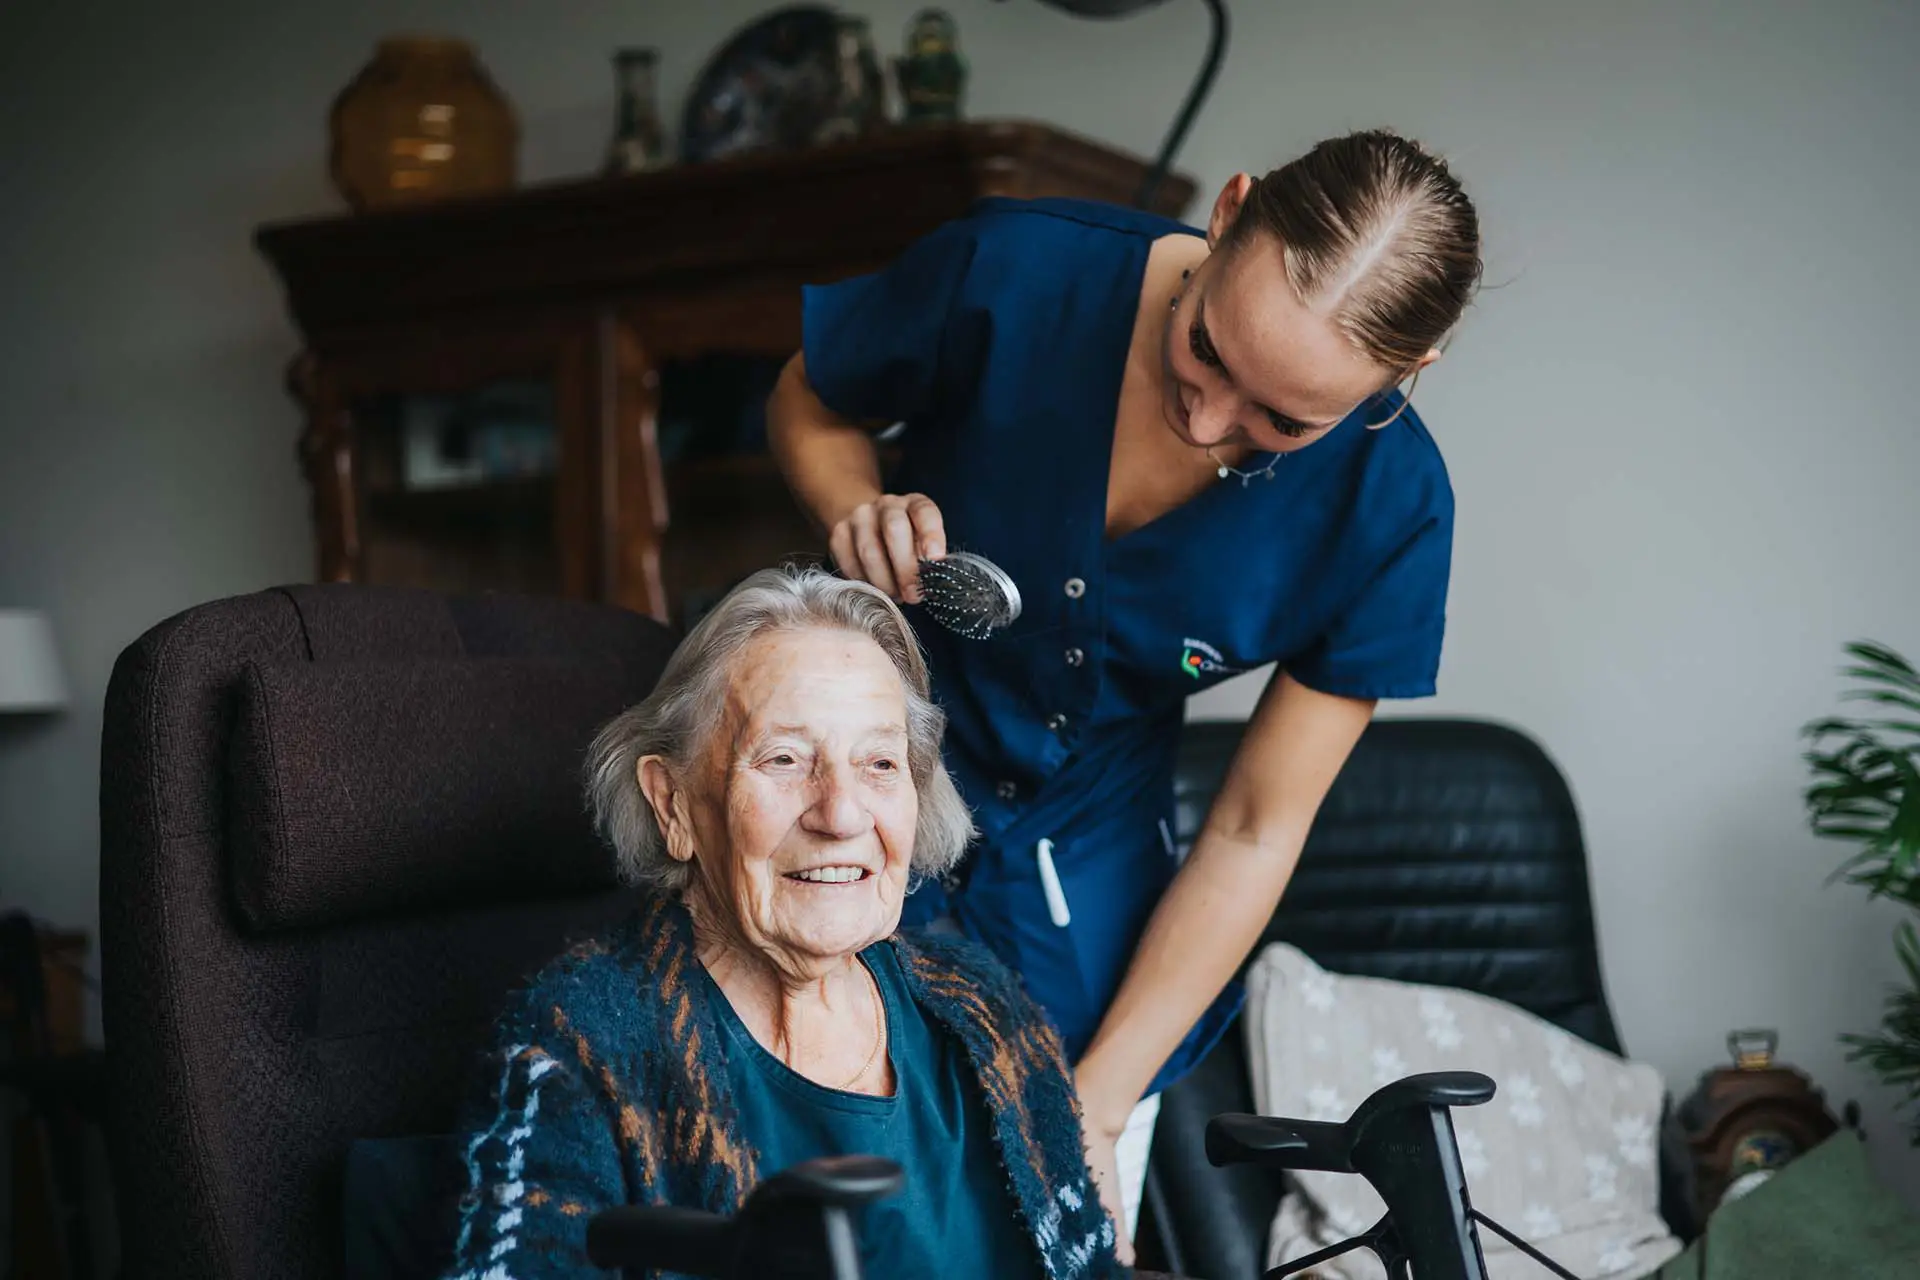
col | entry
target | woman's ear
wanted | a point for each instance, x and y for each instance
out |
(1226, 208)
(668, 800)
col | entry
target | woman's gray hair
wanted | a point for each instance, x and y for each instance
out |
(675, 719)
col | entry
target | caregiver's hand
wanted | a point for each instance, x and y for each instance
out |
(1105, 1167)
(883, 542)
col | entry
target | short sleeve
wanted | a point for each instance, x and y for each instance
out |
(1387, 643)
(881, 347)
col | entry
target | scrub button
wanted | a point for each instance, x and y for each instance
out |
(1076, 656)
(1056, 722)
(1075, 588)
(1006, 790)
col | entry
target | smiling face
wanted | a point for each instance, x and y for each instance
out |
(800, 820)
(1246, 362)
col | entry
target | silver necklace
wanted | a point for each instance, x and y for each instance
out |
(1221, 469)
(1265, 473)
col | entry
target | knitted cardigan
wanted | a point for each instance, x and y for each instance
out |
(606, 1087)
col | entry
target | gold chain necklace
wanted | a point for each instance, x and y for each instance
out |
(879, 1030)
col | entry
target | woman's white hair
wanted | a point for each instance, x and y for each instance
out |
(675, 719)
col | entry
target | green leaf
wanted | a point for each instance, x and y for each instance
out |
(1841, 832)
(1880, 681)
(1881, 659)
(1855, 772)
(1861, 729)
(1846, 791)
(1893, 1052)
(1864, 788)
(1886, 697)
(1907, 946)
(1854, 799)
(1877, 662)
(1874, 651)
(1871, 805)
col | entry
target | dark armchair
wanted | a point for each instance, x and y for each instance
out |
(337, 823)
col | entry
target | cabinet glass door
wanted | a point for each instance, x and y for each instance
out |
(729, 510)
(459, 491)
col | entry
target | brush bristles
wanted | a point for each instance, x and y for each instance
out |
(964, 599)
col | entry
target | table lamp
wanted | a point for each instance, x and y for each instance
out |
(30, 676)
(1216, 49)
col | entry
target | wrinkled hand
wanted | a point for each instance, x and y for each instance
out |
(1106, 1176)
(884, 541)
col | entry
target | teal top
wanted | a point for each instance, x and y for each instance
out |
(956, 1216)
(614, 1081)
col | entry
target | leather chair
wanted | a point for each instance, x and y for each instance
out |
(1448, 852)
(337, 823)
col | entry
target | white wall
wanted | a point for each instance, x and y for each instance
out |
(1681, 429)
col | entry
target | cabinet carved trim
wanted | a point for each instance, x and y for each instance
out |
(326, 458)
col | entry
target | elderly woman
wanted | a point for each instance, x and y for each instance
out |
(778, 793)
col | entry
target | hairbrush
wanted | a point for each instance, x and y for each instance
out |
(969, 594)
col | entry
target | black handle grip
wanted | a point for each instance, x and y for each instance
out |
(795, 1224)
(842, 1181)
(664, 1238)
(1424, 1091)
(798, 1224)
(1278, 1144)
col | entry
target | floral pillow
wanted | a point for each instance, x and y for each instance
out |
(1564, 1155)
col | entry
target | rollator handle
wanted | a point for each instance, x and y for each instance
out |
(1401, 1140)
(1430, 1089)
(796, 1225)
(845, 1181)
(1273, 1143)
(662, 1237)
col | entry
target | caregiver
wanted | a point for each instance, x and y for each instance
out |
(1191, 453)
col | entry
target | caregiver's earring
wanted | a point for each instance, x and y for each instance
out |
(1406, 402)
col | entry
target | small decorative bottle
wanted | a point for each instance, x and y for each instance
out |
(856, 107)
(933, 74)
(639, 142)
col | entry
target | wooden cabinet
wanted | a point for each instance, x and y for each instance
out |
(559, 389)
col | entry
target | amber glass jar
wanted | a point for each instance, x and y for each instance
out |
(421, 121)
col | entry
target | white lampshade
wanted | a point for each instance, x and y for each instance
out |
(30, 677)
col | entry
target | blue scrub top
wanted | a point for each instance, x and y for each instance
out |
(1000, 340)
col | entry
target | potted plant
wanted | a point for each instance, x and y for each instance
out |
(1865, 790)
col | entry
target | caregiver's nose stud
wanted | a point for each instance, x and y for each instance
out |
(969, 594)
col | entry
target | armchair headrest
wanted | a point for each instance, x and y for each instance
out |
(362, 788)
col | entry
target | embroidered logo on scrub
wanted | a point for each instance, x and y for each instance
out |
(1198, 658)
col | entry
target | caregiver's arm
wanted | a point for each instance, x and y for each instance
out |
(833, 468)
(1224, 893)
